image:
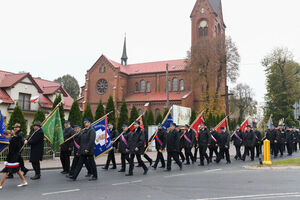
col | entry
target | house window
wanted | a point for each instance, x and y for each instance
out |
(175, 84)
(148, 87)
(181, 85)
(24, 101)
(140, 111)
(142, 86)
(157, 111)
(102, 69)
(203, 28)
(136, 87)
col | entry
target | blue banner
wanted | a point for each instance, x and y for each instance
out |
(168, 120)
(270, 123)
(3, 140)
(103, 141)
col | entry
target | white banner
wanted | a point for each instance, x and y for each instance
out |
(181, 115)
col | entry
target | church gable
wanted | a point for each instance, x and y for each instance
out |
(102, 65)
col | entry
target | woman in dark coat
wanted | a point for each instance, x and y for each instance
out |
(12, 164)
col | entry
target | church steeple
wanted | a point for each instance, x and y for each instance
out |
(124, 55)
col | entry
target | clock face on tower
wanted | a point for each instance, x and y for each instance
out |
(102, 86)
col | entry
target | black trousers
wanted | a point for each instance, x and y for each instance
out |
(188, 154)
(295, 147)
(147, 158)
(223, 151)
(175, 156)
(281, 148)
(74, 164)
(212, 150)
(238, 152)
(131, 162)
(202, 151)
(36, 167)
(195, 153)
(290, 148)
(65, 160)
(181, 154)
(257, 149)
(272, 147)
(89, 159)
(159, 157)
(111, 157)
(124, 157)
(246, 152)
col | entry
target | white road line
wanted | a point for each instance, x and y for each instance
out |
(129, 182)
(60, 192)
(257, 196)
(277, 197)
(212, 170)
(175, 175)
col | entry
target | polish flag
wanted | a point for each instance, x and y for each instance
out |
(34, 99)
(140, 119)
(195, 125)
(244, 126)
(223, 123)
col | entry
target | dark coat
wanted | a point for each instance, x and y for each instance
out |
(136, 139)
(37, 146)
(258, 137)
(298, 136)
(20, 137)
(87, 141)
(281, 136)
(113, 135)
(204, 137)
(289, 137)
(161, 134)
(68, 132)
(216, 136)
(223, 139)
(173, 140)
(249, 139)
(236, 140)
(77, 140)
(13, 150)
(122, 145)
(271, 135)
(181, 139)
(190, 135)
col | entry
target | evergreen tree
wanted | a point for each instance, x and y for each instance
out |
(17, 116)
(75, 116)
(165, 113)
(193, 116)
(145, 120)
(87, 114)
(133, 114)
(100, 112)
(159, 119)
(150, 118)
(38, 116)
(61, 107)
(111, 107)
(123, 119)
(210, 120)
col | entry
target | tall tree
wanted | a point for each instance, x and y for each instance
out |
(123, 119)
(165, 113)
(70, 84)
(100, 112)
(38, 116)
(17, 116)
(193, 116)
(283, 85)
(87, 114)
(145, 120)
(133, 114)
(159, 119)
(110, 107)
(61, 107)
(75, 116)
(150, 118)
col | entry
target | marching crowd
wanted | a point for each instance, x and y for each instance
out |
(131, 144)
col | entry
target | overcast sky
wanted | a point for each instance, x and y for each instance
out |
(57, 37)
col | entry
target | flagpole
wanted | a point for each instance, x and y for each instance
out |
(47, 118)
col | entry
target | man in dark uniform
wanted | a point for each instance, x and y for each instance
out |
(173, 140)
(204, 139)
(195, 145)
(86, 151)
(188, 144)
(36, 143)
(111, 154)
(136, 141)
(290, 141)
(123, 145)
(248, 142)
(281, 138)
(66, 148)
(145, 147)
(237, 142)
(20, 138)
(181, 144)
(160, 145)
(294, 138)
(298, 136)
(224, 145)
(213, 147)
(271, 136)
(258, 139)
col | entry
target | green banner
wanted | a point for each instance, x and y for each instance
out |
(53, 130)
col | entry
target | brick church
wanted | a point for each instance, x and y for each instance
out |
(144, 84)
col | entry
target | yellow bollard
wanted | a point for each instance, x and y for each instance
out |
(267, 153)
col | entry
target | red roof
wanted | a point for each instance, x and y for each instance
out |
(5, 97)
(157, 96)
(45, 102)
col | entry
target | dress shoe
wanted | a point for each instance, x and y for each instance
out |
(180, 168)
(72, 178)
(130, 174)
(105, 168)
(228, 162)
(22, 185)
(121, 170)
(36, 177)
(88, 175)
(154, 167)
(146, 171)
(187, 163)
(64, 172)
(167, 170)
(138, 166)
(113, 167)
(162, 167)
(93, 178)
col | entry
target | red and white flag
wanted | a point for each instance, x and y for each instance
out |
(223, 123)
(195, 125)
(34, 99)
(244, 126)
(140, 119)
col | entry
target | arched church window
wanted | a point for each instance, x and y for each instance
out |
(175, 84)
(136, 87)
(181, 85)
(142, 86)
(102, 69)
(203, 28)
(157, 111)
(148, 87)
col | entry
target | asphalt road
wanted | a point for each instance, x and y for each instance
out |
(216, 181)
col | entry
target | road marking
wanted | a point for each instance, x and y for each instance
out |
(129, 182)
(257, 196)
(212, 170)
(193, 173)
(176, 175)
(277, 197)
(60, 192)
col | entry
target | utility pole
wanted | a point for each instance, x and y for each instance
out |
(226, 95)
(167, 84)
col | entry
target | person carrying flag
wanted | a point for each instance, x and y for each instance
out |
(271, 136)
(160, 145)
(146, 144)
(224, 145)
(188, 144)
(237, 142)
(213, 147)
(249, 142)
(258, 138)
(66, 148)
(181, 143)
(173, 140)
(204, 139)
(123, 145)
(111, 154)
(135, 148)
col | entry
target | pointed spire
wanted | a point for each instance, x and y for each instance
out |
(124, 55)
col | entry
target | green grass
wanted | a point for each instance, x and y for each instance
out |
(294, 162)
